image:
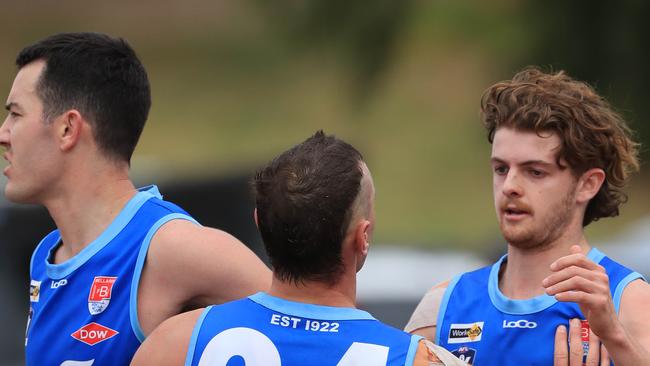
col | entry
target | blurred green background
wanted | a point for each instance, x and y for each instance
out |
(236, 82)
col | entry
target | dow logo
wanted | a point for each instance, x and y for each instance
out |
(93, 333)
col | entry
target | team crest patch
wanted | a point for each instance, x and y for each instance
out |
(463, 333)
(100, 294)
(465, 354)
(93, 333)
(34, 291)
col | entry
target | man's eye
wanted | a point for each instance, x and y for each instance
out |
(536, 173)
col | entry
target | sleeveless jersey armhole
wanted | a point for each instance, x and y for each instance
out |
(618, 293)
(139, 265)
(413, 347)
(195, 335)
(443, 306)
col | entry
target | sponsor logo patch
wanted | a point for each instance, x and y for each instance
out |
(93, 333)
(34, 291)
(521, 323)
(465, 354)
(462, 333)
(100, 294)
(584, 335)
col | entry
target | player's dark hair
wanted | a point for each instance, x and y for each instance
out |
(304, 201)
(592, 134)
(99, 76)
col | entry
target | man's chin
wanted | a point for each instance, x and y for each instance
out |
(14, 196)
(520, 240)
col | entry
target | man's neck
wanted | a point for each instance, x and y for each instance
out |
(341, 294)
(521, 276)
(82, 213)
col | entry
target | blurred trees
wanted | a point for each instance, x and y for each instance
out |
(604, 43)
(364, 33)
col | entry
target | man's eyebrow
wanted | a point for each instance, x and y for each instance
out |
(538, 162)
(11, 104)
(525, 163)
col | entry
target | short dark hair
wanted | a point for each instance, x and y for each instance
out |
(101, 77)
(304, 201)
(592, 133)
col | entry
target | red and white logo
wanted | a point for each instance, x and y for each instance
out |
(93, 333)
(584, 335)
(100, 294)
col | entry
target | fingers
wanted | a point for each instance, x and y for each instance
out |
(598, 274)
(575, 343)
(576, 279)
(575, 259)
(573, 353)
(575, 249)
(561, 353)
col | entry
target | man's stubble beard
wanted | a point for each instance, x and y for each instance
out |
(538, 235)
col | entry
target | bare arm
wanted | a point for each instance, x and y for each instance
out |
(424, 318)
(189, 266)
(168, 344)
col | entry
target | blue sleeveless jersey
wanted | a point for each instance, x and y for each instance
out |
(263, 330)
(84, 311)
(478, 324)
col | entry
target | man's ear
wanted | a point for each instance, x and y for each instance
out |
(69, 127)
(589, 184)
(362, 236)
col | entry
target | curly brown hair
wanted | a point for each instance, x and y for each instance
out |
(593, 135)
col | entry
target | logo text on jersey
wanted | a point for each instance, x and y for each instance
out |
(462, 333)
(521, 323)
(34, 291)
(100, 294)
(465, 354)
(57, 284)
(584, 336)
(93, 333)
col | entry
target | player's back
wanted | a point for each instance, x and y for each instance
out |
(263, 330)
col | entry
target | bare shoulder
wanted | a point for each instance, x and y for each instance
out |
(424, 318)
(633, 311)
(204, 265)
(180, 240)
(184, 232)
(169, 342)
(635, 298)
